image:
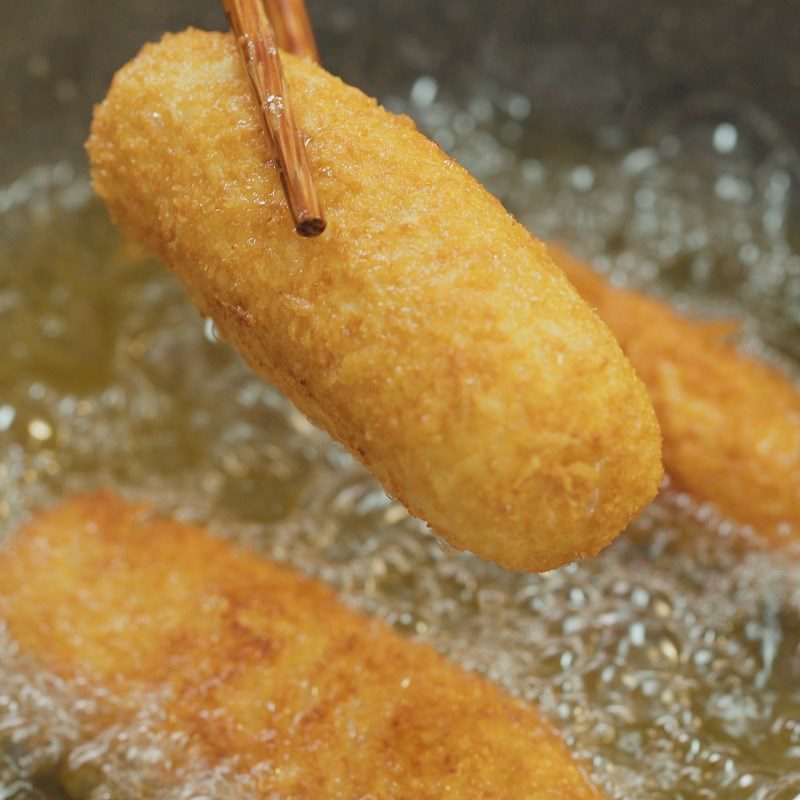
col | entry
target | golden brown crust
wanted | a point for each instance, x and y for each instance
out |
(731, 425)
(266, 665)
(426, 329)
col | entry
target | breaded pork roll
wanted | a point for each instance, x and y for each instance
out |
(426, 329)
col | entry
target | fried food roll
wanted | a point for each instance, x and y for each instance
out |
(259, 663)
(731, 425)
(425, 330)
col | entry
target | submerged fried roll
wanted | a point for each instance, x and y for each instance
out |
(257, 662)
(731, 426)
(425, 330)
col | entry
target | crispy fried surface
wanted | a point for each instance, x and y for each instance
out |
(731, 426)
(426, 329)
(267, 665)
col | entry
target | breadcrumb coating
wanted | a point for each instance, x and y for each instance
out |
(731, 425)
(257, 662)
(426, 330)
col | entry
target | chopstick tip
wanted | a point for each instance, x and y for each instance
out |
(310, 226)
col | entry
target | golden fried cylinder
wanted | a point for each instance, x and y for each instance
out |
(731, 425)
(425, 330)
(266, 665)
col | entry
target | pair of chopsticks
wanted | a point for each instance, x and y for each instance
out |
(260, 28)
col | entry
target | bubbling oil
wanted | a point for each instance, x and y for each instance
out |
(671, 663)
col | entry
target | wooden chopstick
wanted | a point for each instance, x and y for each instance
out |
(292, 26)
(257, 44)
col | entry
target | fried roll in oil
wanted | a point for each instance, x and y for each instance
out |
(426, 330)
(731, 425)
(257, 662)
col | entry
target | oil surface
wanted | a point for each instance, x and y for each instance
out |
(671, 663)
